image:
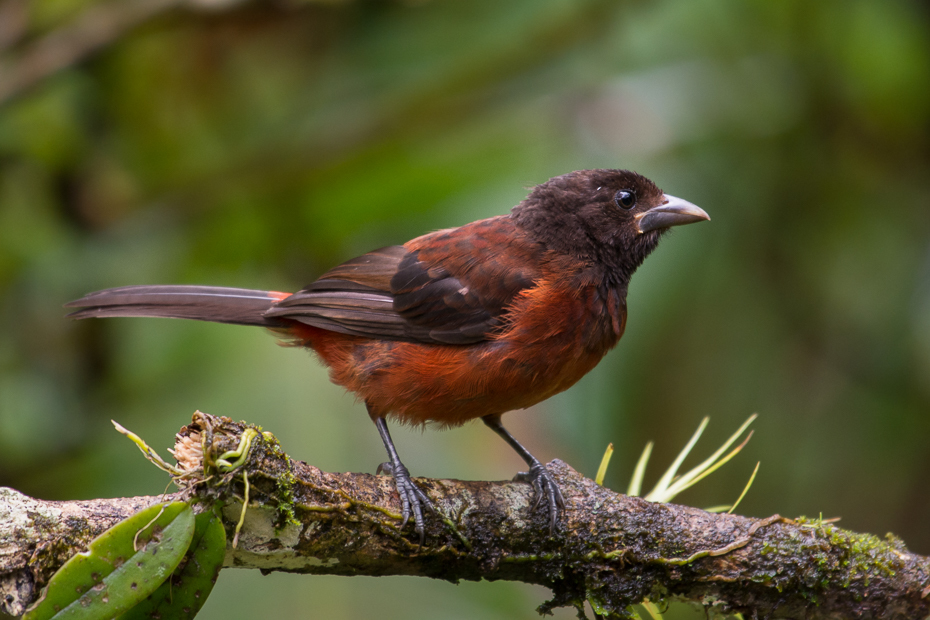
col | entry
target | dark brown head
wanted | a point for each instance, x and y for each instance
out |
(608, 218)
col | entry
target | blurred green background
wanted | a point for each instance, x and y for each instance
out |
(256, 144)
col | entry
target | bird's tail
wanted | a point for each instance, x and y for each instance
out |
(203, 303)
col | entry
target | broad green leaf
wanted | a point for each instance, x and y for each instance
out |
(184, 593)
(121, 567)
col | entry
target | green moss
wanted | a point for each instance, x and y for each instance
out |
(834, 557)
(285, 486)
(869, 554)
(284, 482)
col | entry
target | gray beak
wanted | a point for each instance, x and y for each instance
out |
(674, 212)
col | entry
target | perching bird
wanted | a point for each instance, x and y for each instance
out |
(462, 323)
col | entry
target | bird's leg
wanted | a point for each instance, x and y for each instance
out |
(538, 475)
(413, 500)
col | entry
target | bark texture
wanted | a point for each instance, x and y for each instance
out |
(609, 549)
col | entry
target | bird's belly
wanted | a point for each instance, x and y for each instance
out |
(450, 384)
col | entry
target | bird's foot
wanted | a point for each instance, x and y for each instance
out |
(545, 487)
(413, 499)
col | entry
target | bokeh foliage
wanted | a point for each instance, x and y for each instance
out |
(258, 143)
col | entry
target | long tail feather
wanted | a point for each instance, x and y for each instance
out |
(203, 303)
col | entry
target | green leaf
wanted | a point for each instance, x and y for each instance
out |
(605, 461)
(184, 593)
(121, 567)
(636, 482)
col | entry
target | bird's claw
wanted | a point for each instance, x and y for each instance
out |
(544, 486)
(412, 498)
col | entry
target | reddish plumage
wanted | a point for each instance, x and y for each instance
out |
(469, 322)
(529, 361)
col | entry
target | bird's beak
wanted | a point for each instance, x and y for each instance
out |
(674, 212)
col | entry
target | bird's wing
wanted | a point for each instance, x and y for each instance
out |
(448, 287)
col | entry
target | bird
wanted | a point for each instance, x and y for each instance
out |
(461, 323)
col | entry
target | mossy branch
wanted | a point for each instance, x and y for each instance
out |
(610, 550)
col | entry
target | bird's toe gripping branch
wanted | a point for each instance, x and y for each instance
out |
(545, 487)
(413, 499)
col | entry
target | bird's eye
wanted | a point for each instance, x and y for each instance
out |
(625, 199)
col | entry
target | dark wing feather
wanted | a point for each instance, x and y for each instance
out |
(448, 287)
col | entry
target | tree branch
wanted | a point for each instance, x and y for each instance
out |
(96, 28)
(609, 549)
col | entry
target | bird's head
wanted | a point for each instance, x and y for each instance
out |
(612, 218)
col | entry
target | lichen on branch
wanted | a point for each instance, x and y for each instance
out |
(609, 549)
